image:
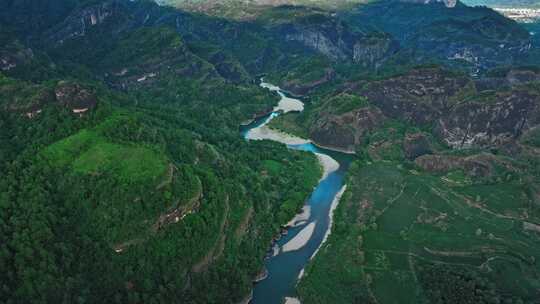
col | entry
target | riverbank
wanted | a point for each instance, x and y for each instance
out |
(283, 270)
(345, 151)
(301, 239)
(286, 104)
(328, 164)
(333, 207)
(301, 217)
(264, 132)
(289, 300)
(288, 131)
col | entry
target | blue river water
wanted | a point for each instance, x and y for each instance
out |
(284, 268)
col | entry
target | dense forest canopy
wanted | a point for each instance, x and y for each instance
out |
(124, 177)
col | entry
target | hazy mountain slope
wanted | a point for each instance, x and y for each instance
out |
(232, 3)
(504, 3)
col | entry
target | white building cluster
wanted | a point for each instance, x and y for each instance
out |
(525, 15)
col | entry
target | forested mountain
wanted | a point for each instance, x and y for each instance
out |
(124, 178)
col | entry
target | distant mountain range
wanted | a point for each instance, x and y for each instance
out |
(207, 3)
(249, 8)
(525, 11)
(340, 3)
(246, 8)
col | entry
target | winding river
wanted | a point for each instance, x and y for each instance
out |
(309, 229)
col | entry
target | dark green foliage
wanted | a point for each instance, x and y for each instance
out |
(420, 238)
(445, 285)
(289, 123)
(344, 103)
(532, 138)
(159, 175)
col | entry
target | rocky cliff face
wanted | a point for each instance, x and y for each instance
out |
(490, 121)
(420, 96)
(416, 145)
(331, 44)
(494, 45)
(75, 97)
(374, 49)
(334, 39)
(78, 23)
(461, 116)
(345, 131)
(30, 99)
(142, 42)
(474, 38)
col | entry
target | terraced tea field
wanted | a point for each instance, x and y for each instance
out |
(407, 235)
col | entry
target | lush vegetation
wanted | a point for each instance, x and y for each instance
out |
(124, 178)
(133, 202)
(404, 232)
(151, 195)
(288, 123)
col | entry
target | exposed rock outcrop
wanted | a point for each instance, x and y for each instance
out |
(347, 130)
(507, 78)
(75, 97)
(30, 99)
(78, 23)
(420, 96)
(475, 39)
(495, 44)
(335, 40)
(462, 117)
(493, 121)
(373, 50)
(301, 88)
(415, 145)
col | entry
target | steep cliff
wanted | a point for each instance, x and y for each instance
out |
(420, 96)
(475, 38)
(336, 40)
(450, 104)
(345, 131)
(492, 119)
